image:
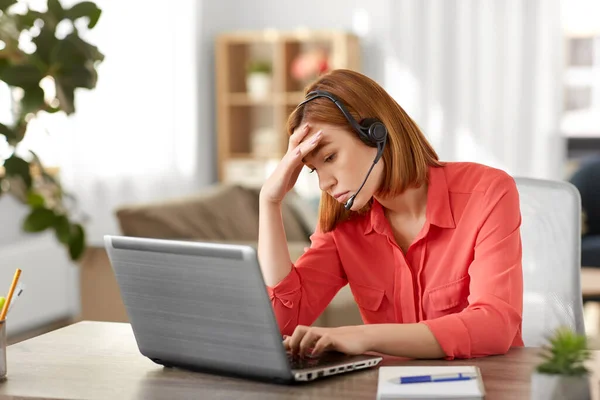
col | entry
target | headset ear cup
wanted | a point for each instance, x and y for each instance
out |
(365, 126)
(378, 132)
(367, 122)
(374, 129)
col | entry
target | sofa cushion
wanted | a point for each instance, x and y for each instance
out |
(220, 212)
(296, 229)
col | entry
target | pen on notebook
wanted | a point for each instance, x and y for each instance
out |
(11, 291)
(436, 378)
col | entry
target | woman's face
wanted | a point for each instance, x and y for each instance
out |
(341, 161)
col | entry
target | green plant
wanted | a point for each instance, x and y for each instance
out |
(68, 62)
(565, 354)
(259, 66)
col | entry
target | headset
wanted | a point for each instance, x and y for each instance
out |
(371, 131)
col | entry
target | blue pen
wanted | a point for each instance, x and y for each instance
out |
(436, 378)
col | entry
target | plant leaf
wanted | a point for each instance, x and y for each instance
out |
(89, 51)
(62, 228)
(20, 130)
(67, 53)
(65, 95)
(45, 43)
(565, 354)
(39, 219)
(76, 242)
(85, 9)
(8, 132)
(27, 20)
(56, 10)
(23, 75)
(78, 76)
(33, 100)
(73, 61)
(35, 200)
(38, 162)
(4, 4)
(17, 167)
(3, 61)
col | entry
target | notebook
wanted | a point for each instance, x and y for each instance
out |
(388, 388)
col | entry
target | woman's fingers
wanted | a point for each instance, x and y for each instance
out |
(322, 344)
(296, 338)
(309, 145)
(286, 174)
(286, 343)
(298, 135)
(294, 158)
(308, 341)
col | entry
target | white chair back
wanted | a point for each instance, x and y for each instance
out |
(551, 238)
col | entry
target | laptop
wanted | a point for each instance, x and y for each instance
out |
(204, 306)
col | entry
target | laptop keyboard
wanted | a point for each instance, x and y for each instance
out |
(308, 361)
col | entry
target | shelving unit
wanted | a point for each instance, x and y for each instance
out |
(251, 128)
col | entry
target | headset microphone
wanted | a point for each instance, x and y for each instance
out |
(350, 201)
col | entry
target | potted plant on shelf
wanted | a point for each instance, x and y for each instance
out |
(258, 79)
(68, 62)
(562, 373)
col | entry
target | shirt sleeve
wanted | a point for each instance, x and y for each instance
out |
(492, 320)
(310, 286)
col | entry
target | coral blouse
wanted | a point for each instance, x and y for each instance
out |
(461, 276)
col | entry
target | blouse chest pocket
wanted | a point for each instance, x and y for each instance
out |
(370, 302)
(448, 298)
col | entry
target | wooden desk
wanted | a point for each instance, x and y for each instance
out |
(100, 360)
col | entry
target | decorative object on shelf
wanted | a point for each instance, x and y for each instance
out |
(265, 143)
(255, 91)
(308, 65)
(69, 63)
(259, 79)
(562, 374)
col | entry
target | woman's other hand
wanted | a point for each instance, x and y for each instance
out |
(313, 340)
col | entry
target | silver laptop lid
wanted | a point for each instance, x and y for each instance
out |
(198, 305)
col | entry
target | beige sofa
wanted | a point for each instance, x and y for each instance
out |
(221, 213)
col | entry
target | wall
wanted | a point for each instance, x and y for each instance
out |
(482, 79)
(367, 19)
(50, 279)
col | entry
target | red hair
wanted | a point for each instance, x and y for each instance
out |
(407, 155)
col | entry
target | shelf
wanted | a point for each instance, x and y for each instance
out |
(251, 156)
(294, 98)
(285, 98)
(251, 132)
(243, 99)
(275, 36)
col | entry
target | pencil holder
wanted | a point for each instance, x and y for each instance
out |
(2, 350)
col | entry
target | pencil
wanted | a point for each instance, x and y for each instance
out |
(10, 294)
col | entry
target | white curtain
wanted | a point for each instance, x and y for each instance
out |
(133, 138)
(482, 78)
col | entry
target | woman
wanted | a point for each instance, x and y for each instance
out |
(431, 250)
